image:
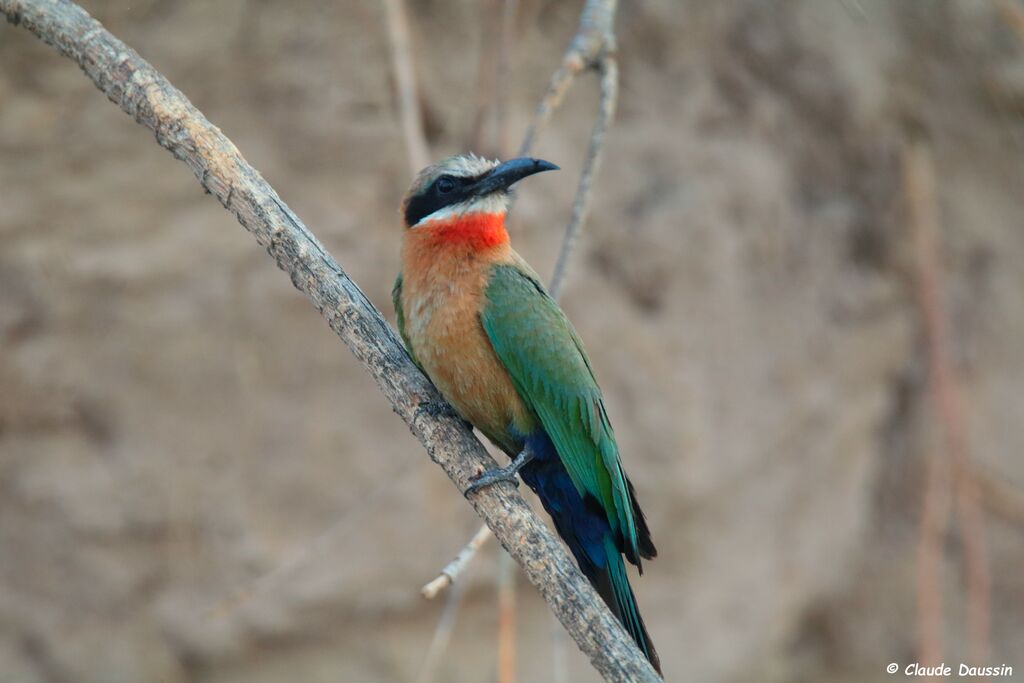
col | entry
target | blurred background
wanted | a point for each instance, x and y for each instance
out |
(199, 483)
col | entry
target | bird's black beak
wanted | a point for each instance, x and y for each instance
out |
(504, 175)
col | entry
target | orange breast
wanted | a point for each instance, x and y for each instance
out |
(442, 295)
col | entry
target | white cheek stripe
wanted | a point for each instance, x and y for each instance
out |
(491, 203)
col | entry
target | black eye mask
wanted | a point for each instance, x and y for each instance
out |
(444, 191)
(448, 189)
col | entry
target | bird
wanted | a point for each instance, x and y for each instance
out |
(478, 321)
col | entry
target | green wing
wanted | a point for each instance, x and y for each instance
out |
(396, 299)
(549, 367)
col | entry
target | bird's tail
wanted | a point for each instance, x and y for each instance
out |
(583, 526)
(612, 584)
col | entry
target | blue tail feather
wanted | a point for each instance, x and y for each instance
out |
(584, 527)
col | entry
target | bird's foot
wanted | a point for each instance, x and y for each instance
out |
(498, 474)
(491, 477)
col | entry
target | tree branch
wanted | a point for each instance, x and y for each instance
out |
(138, 89)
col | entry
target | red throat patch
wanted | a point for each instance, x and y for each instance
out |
(475, 231)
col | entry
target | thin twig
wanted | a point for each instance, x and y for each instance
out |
(979, 576)
(918, 186)
(593, 46)
(606, 112)
(135, 86)
(930, 560)
(506, 619)
(442, 634)
(594, 38)
(405, 83)
(452, 570)
(919, 178)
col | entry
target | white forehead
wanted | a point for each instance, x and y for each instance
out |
(468, 165)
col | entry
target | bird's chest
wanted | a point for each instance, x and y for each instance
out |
(448, 339)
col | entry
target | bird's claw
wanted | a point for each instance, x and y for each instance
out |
(491, 477)
(506, 473)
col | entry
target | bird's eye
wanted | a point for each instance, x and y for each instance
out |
(445, 184)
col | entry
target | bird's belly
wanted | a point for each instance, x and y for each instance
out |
(453, 348)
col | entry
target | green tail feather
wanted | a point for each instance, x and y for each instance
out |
(613, 585)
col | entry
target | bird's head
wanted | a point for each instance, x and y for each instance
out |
(463, 186)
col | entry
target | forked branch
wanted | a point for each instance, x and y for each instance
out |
(594, 42)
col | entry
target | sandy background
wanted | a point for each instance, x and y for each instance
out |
(176, 421)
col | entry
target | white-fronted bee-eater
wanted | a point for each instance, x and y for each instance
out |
(479, 322)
